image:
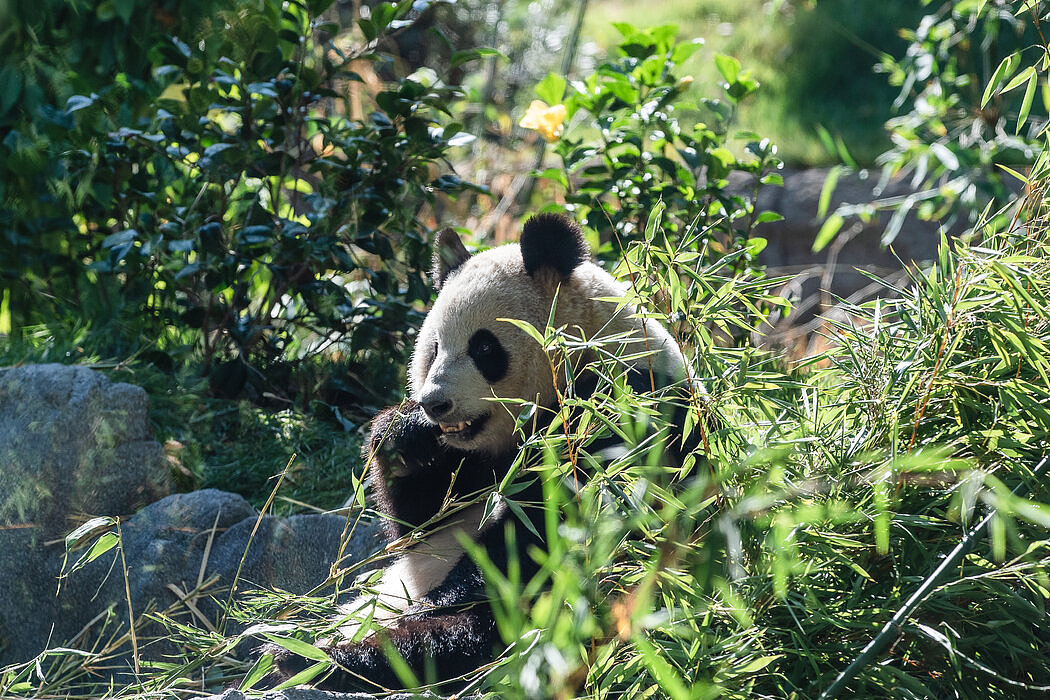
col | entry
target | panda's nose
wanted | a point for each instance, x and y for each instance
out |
(436, 406)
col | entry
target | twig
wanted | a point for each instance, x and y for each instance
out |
(207, 548)
(949, 327)
(890, 630)
(187, 600)
(83, 630)
(251, 537)
(127, 594)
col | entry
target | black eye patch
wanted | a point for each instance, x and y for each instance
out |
(489, 356)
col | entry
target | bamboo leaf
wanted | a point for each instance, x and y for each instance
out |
(827, 232)
(1024, 75)
(306, 675)
(102, 545)
(670, 682)
(527, 328)
(945, 155)
(827, 190)
(728, 66)
(1005, 68)
(259, 670)
(1026, 102)
(298, 647)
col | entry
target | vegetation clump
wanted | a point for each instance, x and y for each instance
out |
(869, 521)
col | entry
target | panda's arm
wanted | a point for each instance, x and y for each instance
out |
(409, 467)
(413, 473)
(451, 629)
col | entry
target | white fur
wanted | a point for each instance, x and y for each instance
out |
(493, 285)
(419, 570)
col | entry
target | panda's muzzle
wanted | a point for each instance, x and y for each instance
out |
(440, 410)
(463, 430)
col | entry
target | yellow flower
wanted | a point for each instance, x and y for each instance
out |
(546, 120)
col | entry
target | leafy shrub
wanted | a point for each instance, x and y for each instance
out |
(964, 123)
(52, 51)
(634, 155)
(248, 215)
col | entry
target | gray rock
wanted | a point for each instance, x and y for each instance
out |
(838, 271)
(799, 198)
(287, 553)
(27, 579)
(165, 546)
(74, 444)
(789, 249)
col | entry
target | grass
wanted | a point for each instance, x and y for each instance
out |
(238, 446)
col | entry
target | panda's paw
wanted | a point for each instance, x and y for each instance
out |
(403, 440)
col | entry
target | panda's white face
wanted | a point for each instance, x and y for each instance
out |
(466, 357)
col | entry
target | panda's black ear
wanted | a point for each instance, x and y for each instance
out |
(449, 253)
(555, 241)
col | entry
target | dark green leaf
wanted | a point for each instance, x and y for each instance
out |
(10, 87)
(465, 56)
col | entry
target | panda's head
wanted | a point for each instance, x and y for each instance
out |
(465, 356)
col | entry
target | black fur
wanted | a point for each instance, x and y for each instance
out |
(554, 241)
(448, 634)
(674, 407)
(451, 630)
(489, 356)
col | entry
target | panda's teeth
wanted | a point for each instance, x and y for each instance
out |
(455, 427)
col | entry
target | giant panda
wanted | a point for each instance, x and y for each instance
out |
(451, 442)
